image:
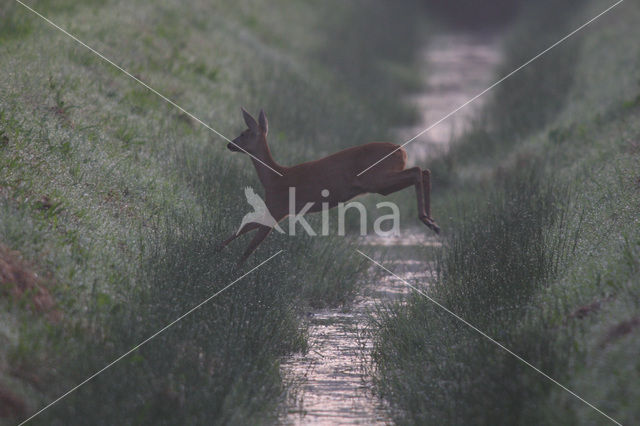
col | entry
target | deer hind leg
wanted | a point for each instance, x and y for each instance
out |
(246, 228)
(426, 183)
(262, 233)
(397, 181)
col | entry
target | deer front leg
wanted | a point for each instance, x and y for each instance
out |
(246, 228)
(262, 233)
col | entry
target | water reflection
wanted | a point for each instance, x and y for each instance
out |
(334, 386)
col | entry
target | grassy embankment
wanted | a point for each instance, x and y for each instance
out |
(542, 199)
(117, 201)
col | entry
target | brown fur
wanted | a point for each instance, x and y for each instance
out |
(337, 173)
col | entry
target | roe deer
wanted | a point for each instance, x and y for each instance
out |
(336, 173)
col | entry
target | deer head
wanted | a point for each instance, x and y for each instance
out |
(253, 137)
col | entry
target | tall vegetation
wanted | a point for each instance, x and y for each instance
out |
(542, 251)
(117, 201)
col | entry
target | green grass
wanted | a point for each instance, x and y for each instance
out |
(141, 195)
(542, 250)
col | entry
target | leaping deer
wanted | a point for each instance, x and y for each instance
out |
(336, 173)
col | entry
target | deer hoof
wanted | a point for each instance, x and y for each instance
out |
(430, 224)
(435, 228)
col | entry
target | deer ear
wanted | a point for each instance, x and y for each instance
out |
(264, 124)
(249, 120)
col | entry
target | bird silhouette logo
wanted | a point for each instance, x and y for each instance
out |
(260, 214)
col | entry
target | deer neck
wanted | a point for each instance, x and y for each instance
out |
(266, 174)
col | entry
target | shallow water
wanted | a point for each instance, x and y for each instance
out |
(459, 67)
(333, 388)
(333, 384)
